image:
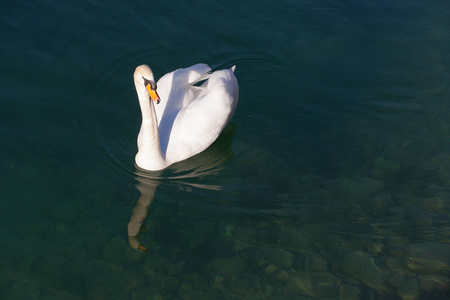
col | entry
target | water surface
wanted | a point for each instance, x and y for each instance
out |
(331, 181)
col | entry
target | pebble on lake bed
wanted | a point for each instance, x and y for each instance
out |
(363, 267)
(429, 257)
(312, 284)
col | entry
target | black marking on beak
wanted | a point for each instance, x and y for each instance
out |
(151, 82)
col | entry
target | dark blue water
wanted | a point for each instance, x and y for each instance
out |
(330, 182)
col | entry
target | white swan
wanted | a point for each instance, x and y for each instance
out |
(187, 117)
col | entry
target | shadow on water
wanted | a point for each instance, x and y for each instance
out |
(189, 172)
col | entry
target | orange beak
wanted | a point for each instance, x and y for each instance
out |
(153, 94)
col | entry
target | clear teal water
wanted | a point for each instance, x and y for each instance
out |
(332, 180)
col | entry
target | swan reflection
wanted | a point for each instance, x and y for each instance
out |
(195, 172)
(147, 189)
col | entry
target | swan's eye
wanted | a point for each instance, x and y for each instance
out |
(149, 82)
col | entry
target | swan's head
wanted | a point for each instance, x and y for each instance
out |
(144, 75)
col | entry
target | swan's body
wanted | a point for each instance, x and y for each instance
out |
(188, 119)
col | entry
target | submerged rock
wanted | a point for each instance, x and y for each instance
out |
(282, 275)
(438, 204)
(22, 289)
(350, 292)
(268, 291)
(356, 190)
(229, 266)
(397, 280)
(384, 167)
(397, 264)
(199, 283)
(312, 284)
(170, 283)
(410, 290)
(374, 246)
(298, 239)
(279, 257)
(147, 291)
(364, 268)
(174, 268)
(203, 229)
(270, 269)
(430, 283)
(241, 286)
(440, 165)
(316, 263)
(429, 257)
(380, 203)
(396, 245)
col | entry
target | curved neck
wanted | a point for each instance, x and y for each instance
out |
(149, 154)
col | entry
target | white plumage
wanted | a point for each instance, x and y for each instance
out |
(190, 116)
